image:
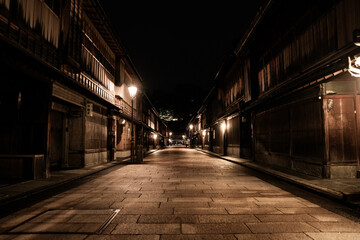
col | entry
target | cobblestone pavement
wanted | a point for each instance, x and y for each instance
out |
(182, 194)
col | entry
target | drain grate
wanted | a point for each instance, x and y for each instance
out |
(107, 222)
(72, 221)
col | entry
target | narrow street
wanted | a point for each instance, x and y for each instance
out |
(181, 193)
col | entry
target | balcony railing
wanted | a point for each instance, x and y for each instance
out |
(29, 41)
(125, 108)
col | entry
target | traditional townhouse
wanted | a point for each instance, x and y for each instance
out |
(64, 93)
(288, 95)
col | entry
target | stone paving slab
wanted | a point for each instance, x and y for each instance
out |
(331, 217)
(286, 218)
(253, 210)
(147, 229)
(184, 205)
(227, 218)
(210, 228)
(334, 236)
(168, 219)
(44, 237)
(200, 211)
(336, 226)
(199, 237)
(273, 236)
(123, 237)
(47, 227)
(281, 227)
(145, 210)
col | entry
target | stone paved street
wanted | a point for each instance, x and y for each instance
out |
(182, 194)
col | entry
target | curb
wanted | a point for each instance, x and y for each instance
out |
(27, 196)
(11, 204)
(345, 198)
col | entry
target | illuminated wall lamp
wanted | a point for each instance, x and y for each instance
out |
(354, 64)
(223, 126)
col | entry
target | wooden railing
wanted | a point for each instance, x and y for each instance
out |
(125, 108)
(29, 41)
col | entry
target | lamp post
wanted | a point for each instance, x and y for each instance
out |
(170, 134)
(224, 127)
(132, 92)
(155, 136)
(191, 135)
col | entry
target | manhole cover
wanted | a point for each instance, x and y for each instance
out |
(67, 221)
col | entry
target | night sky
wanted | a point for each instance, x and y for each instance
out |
(178, 47)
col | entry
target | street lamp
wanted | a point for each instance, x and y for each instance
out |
(170, 134)
(190, 135)
(132, 92)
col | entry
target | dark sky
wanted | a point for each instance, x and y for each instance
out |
(178, 46)
(178, 42)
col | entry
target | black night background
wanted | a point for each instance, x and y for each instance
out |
(179, 47)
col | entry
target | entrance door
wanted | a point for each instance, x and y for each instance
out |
(342, 128)
(56, 140)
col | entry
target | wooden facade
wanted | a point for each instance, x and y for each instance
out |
(64, 97)
(285, 94)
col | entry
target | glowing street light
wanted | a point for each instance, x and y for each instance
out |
(354, 64)
(132, 92)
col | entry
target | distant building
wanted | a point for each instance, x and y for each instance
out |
(64, 97)
(286, 97)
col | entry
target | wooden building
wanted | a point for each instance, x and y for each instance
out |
(286, 97)
(64, 97)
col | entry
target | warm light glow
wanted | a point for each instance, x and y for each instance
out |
(354, 67)
(155, 136)
(170, 134)
(132, 91)
(191, 126)
(123, 122)
(204, 133)
(223, 126)
(183, 136)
